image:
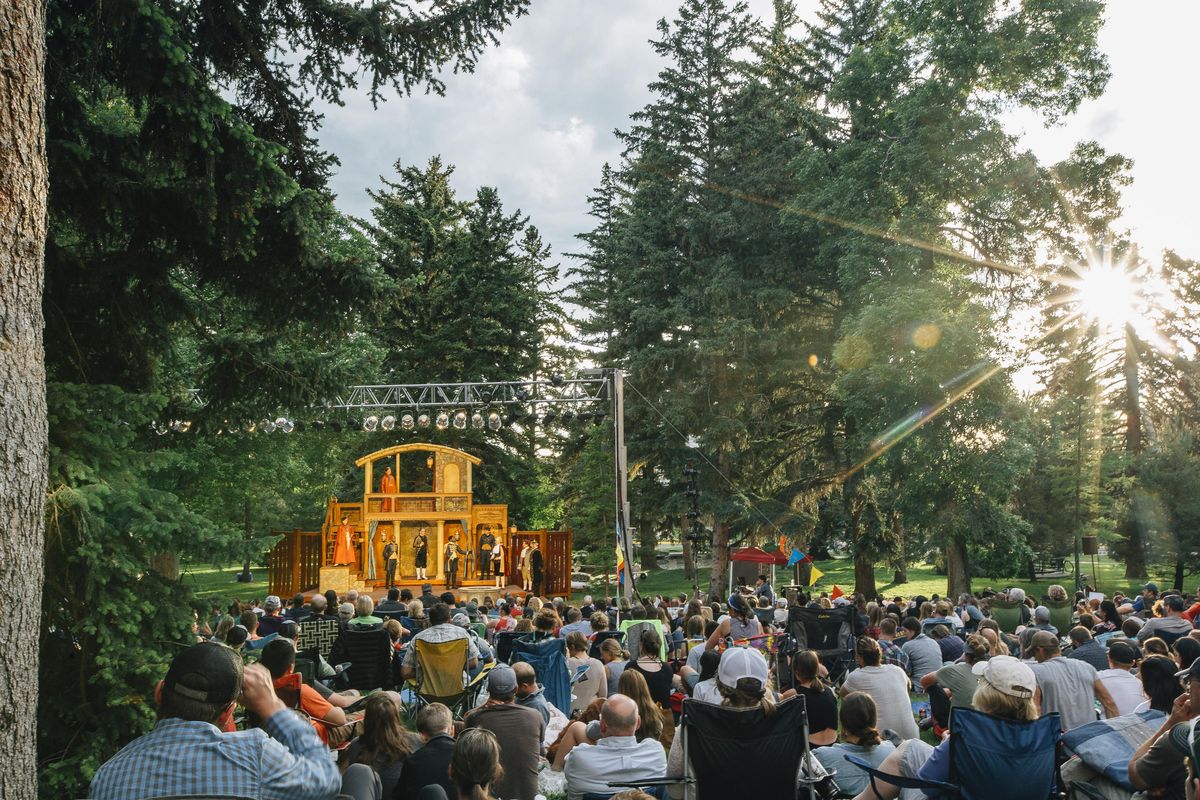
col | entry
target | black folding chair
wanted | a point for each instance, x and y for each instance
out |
(370, 657)
(504, 645)
(716, 736)
(594, 650)
(827, 631)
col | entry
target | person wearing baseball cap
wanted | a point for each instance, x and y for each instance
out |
(187, 754)
(1067, 685)
(520, 731)
(1125, 687)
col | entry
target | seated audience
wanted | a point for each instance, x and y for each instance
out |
(1088, 649)
(1123, 686)
(860, 738)
(1066, 686)
(614, 660)
(268, 623)
(364, 617)
(329, 721)
(887, 685)
(440, 630)
(521, 732)
(1169, 627)
(924, 655)
(706, 689)
(429, 764)
(187, 754)
(1159, 766)
(617, 756)
(651, 666)
(654, 722)
(892, 650)
(392, 604)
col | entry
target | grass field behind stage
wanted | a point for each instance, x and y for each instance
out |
(211, 583)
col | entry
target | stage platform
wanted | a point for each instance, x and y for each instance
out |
(470, 590)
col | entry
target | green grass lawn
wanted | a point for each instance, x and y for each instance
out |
(921, 580)
(219, 584)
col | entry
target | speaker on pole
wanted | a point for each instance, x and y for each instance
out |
(1091, 545)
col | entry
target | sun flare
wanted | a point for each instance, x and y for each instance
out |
(1107, 294)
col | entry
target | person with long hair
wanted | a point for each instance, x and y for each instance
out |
(652, 719)
(614, 660)
(818, 697)
(476, 764)
(1006, 688)
(594, 682)
(1110, 618)
(861, 738)
(650, 664)
(381, 748)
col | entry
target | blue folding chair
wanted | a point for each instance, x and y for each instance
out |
(549, 661)
(990, 759)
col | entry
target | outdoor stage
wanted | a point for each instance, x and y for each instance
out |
(420, 488)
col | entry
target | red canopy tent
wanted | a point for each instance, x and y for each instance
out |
(757, 555)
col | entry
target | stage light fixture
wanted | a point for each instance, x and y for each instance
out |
(550, 416)
(279, 422)
(568, 416)
(522, 394)
(599, 416)
(335, 426)
(181, 426)
(556, 380)
(423, 421)
(297, 426)
(460, 420)
(476, 420)
(251, 427)
(406, 422)
(159, 428)
(493, 420)
(267, 426)
(287, 426)
(388, 422)
(370, 423)
(443, 421)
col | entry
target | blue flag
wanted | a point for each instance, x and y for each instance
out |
(796, 557)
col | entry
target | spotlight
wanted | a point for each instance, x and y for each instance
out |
(460, 420)
(388, 422)
(493, 420)
(251, 427)
(476, 420)
(556, 380)
(567, 416)
(316, 425)
(181, 426)
(423, 421)
(406, 422)
(599, 416)
(279, 422)
(550, 416)
(267, 426)
(160, 429)
(287, 426)
(335, 426)
(297, 426)
(443, 421)
(522, 394)
(371, 423)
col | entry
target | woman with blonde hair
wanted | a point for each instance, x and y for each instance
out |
(1006, 688)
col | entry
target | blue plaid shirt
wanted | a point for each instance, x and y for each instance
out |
(180, 757)
(892, 654)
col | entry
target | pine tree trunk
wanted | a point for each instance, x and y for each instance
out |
(689, 552)
(717, 586)
(958, 574)
(901, 574)
(1178, 584)
(23, 434)
(647, 544)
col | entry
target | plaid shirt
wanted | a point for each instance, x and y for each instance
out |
(180, 757)
(892, 654)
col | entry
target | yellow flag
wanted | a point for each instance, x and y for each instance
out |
(815, 575)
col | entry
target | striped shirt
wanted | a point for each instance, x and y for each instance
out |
(180, 757)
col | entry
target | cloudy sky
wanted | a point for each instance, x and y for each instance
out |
(536, 118)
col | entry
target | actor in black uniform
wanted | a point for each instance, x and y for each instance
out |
(392, 561)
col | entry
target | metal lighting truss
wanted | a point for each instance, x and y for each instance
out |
(584, 388)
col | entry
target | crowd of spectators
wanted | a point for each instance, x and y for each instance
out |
(1131, 664)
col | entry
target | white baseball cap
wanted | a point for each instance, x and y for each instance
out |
(742, 662)
(1008, 675)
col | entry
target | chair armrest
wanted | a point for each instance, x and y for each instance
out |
(899, 780)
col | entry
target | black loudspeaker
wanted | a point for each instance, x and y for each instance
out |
(1091, 545)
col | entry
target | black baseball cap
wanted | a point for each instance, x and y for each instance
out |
(1122, 652)
(1192, 672)
(207, 672)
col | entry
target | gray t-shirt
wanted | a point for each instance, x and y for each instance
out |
(1068, 687)
(851, 779)
(888, 687)
(961, 682)
(924, 657)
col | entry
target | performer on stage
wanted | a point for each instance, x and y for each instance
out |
(498, 564)
(392, 560)
(343, 544)
(536, 564)
(523, 565)
(421, 554)
(387, 485)
(453, 551)
(486, 543)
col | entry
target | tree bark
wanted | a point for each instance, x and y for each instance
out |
(958, 573)
(1135, 557)
(23, 432)
(647, 544)
(689, 552)
(901, 574)
(864, 576)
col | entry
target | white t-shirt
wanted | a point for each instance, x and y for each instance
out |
(707, 692)
(1125, 688)
(888, 687)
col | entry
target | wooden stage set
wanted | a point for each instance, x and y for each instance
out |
(406, 488)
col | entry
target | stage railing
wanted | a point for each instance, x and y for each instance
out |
(294, 563)
(434, 502)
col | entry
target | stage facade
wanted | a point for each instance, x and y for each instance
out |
(408, 489)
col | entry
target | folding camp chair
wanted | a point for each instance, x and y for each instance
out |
(827, 631)
(319, 632)
(594, 650)
(991, 759)
(1006, 613)
(548, 658)
(504, 645)
(370, 657)
(715, 737)
(440, 670)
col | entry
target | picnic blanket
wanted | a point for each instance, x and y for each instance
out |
(1107, 744)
